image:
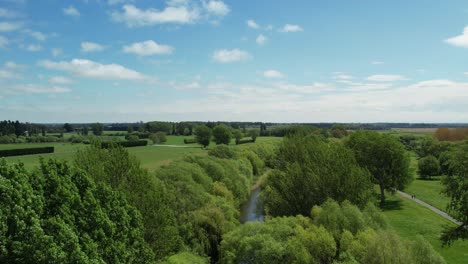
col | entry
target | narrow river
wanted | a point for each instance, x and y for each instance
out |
(250, 212)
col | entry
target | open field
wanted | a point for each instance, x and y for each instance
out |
(409, 219)
(150, 156)
(426, 130)
(429, 191)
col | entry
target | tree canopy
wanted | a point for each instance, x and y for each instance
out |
(203, 135)
(222, 135)
(385, 158)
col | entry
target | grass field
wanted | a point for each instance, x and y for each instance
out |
(151, 157)
(429, 191)
(409, 219)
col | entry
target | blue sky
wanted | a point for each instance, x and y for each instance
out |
(276, 61)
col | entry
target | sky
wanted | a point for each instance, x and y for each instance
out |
(211, 60)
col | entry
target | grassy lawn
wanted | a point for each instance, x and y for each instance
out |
(409, 219)
(429, 191)
(151, 157)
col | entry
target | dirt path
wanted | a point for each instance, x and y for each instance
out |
(432, 208)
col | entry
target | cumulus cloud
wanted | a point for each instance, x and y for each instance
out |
(94, 70)
(135, 17)
(148, 48)
(56, 52)
(386, 78)
(252, 24)
(291, 28)
(71, 11)
(36, 34)
(342, 76)
(91, 47)
(273, 74)
(218, 8)
(10, 26)
(227, 56)
(60, 80)
(460, 40)
(261, 39)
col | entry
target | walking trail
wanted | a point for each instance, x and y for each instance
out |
(432, 208)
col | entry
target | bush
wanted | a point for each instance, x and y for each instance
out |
(428, 166)
(25, 151)
(223, 152)
(125, 144)
(158, 138)
(222, 135)
(7, 140)
(131, 137)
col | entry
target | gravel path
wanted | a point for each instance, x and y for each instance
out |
(432, 208)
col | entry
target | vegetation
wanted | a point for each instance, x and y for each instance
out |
(314, 171)
(158, 137)
(25, 151)
(56, 214)
(384, 157)
(97, 128)
(454, 134)
(222, 135)
(428, 167)
(456, 187)
(203, 135)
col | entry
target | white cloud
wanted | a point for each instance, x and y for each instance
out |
(218, 8)
(33, 47)
(60, 80)
(134, 17)
(226, 56)
(95, 70)
(291, 28)
(114, 2)
(466, 73)
(386, 78)
(91, 47)
(36, 34)
(148, 48)
(5, 13)
(342, 76)
(377, 62)
(27, 89)
(71, 11)
(460, 40)
(5, 74)
(261, 39)
(252, 24)
(3, 42)
(56, 52)
(273, 74)
(10, 26)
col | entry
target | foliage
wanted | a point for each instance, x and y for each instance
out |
(456, 187)
(454, 134)
(428, 166)
(186, 258)
(313, 171)
(203, 135)
(158, 137)
(68, 128)
(25, 151)
(253, 133)
(384, 157)
(222, 135)
(223, 152)
(157, 126)
(60, 215)
(97, 128)
(430, 146)
(409, 141)
(191, 141)
(238, 136)
(125, 144)
(338, 131)
(334, 234)
(116, 167)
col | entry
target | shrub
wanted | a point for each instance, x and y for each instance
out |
(223, 152)
(25, 151)
(158, 138)
(125, 144)
(428, 166)
(189, 141)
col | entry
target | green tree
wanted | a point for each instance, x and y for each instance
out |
(309, 172)
(238, 136)
(428, 167)
(222, 134)
(254, 133)
(68, 128)
(203, 135)
(158, 137)
(384, 157)
(456, 187)
(338, 131)
(97, 128)
(85, 131)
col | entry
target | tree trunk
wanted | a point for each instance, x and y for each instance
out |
(382, 195)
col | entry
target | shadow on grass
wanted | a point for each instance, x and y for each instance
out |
(392, 205)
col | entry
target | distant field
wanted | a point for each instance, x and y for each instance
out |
(409, 219)
(151, 157)
(427, 130)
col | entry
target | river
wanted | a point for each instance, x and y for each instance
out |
(250, 212)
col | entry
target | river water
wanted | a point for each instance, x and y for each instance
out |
(251, 212)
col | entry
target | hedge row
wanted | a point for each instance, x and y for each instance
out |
(126, 144)
(244, 141)
(189, 140)
(25, 151)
